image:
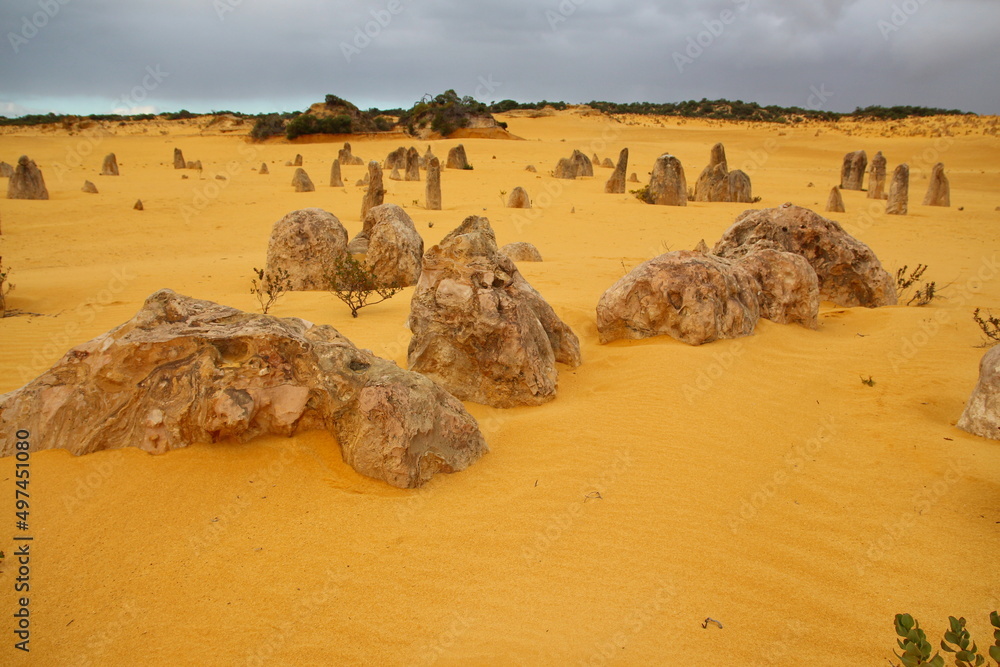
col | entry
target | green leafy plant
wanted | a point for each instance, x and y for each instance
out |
(995, 649)
(5, 287)
(957, 640)
(642, 194)
(989, 325)
(916, 648)
(356, 285)
(269, 288)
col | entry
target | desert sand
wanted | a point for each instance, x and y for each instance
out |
(755, 481)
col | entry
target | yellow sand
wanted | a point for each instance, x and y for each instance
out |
(757, 481)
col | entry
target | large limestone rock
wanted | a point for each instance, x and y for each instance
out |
(899, 191)
(393, 248)
(302, 182)
(110, 165)
(939, 189)
(179, 162)
(616, 184)
(347, 158)
(412, 165)
(480, 330)
(297, 162)
(713, 183)
(27, 181)
(852, 173)
(740, 190)
(982, 413)
(375, 194)
(522, 251)
(432, 192)
(307, 243)
(835, 202)
(336, 180)
(788, 288)
(186, 371)
(395, 159)
(667, 185)
(457, 158)
(693, 297)
(518, 198)
(876, 177)
(848, 271)
(577, 165)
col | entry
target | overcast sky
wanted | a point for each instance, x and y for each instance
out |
(100, 56)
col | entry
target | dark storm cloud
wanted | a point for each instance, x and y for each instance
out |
(254, 54)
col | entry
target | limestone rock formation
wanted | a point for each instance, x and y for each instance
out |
(347, 158)
(876, 177)
(848, 271)
(376, 192)
(852, 172)
(394, 175)
(186, 371)
(606, 163)
(457, 158)
(179, 162)
(264, 169)
(739, 187)
(138, 205)
(982, 413)
(479, 329)
(788, 288)
(522, 251)
(110, 165)
(713, 183)
(412, 165)
(194, 164)
(835, 202)
(308, 244)
(297, 162)
(27, 181)
(633, 178)
(899, 191)
(690, 296)
(667, 185)
(518, 198)
(939, 189)
(616, 184)
(336, 180)
(531, 168)
(302, 182)
(394, 251)
(89, 188)
(577, 165)
(395, 159)
(432, 192)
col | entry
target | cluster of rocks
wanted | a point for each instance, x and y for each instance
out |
(347, 158)
(6, 171)
(27, 181)
(409, 161)
(179, 162)
(393, 249)
(717, 184)
(575, 166)
(897, 197)
(774, 263)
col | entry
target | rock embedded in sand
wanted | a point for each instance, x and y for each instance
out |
(982, 412)
(347, 158)
(27, 181)
(110, 165)
(395, 159)
(393, 248)
(138, 205)
(849, 273)
(852, 172)
(432, 192)
(876, 177)
(336, 180)
(667, 185)
(302, 182)
(633, 178)
(899, 191)
(376, 191)
(480, 330)
(412, 165)
(739, 187)
(394, 175)
(522, 251)
(518, 198)
(788, 286)
(606, 163)
(457, 158)
(264, 169)
(89, 188)
(616, 184)
(186, 371)
(531, 168)
(577, 165)
(939, 189)
(179, 162)
(713, 183)
(297, 162)
(308, 244)
(6, 171)
(835, 202)
(194, 164)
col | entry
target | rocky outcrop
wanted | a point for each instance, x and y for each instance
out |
(852, 172)
(788, 288)
(393, 249)
(531, 168)
(395, 159)
(835, 202)
(263, 169)
(179, 162)
(518, 198)
(375, 194)
(302, 182)
(432, 193)
(876, 177)
(194, 164)
(412, 165)
(522, 251)
(899, 191)
(27, 181)
(939, 189)
(577, 165)
(667, 185)
(347, 158)
(457, 158)
(297, 162)
(616, 184)
(308, 244)
(633, 178)
(394, 175)
(110, 165)
(89, 188)
(480, 330)
(336, 180)
(713, 183)
(982, 413)
(186, 371)
(848, 272)
(606, 163)
(740, 189)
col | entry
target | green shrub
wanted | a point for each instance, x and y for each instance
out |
(267, 126)
(310, 124)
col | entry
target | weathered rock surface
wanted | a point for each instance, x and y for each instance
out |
(740, 189)
(412, 165)
(667, 185)
(939, 189)
(110, 165)
(479, 329)
(376, 191)
(194, 164)
(899, 191)
(432, 192)
(138, 205)
(713, 183)
(633, 178)
(179, 162)
(393, 248)
(522, 251)
(186, 371)
(263, 169)
(531, 168)
(297, 162)
(394, 175)
(518, 198)
(688, 295)
(607, 163)
(395, 159)
(788, 288)
(307, 243)
(336, 180)
(852, 172)
(577, 165)
(347, 158)
(89, 188)
(876, 177)
(27, 181)
(982, 413)
(835, 202)
(616, 184)
(302, 182)
(848, 271)
(457, 158)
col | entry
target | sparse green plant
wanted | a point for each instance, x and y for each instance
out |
(989, 325)
(957, 640)
(868, 382)
(5, 287)
(916, 648)
(270, 287)
(467, 167)
(642, 194)
(755, 200)
(355, 284)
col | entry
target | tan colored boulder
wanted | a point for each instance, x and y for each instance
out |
(577, 165)
(522, 251)
(302, 182)
(185, 371)
(667, 185)
(835, 202)
(899, 191)
(432, 192)
(457, 158)
(89, 188)
(616, 184)
(393, 248)
(394, 175)
(297, 162)
(713, 183)
(480, 330)
(876, 177)
(788, 286)
(848, 271)
(518, 198)
(395, 159)
(939, 189)
(852, 172)
(336, 180)
(412, 165)
(740, 190)
(194, 164)
(263, 169)
(633, 178)
(110, 165)
(179, 162)
(982, 412)
(138, 205)
(606, 163)
(531, 168)
(308, 244)
(27, 181)
(347, 158)
(376, 191)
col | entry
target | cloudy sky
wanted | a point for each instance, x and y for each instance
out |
(100, 56)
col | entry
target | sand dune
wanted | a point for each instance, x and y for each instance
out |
(754, 481)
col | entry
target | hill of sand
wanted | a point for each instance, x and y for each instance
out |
(754, 481)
